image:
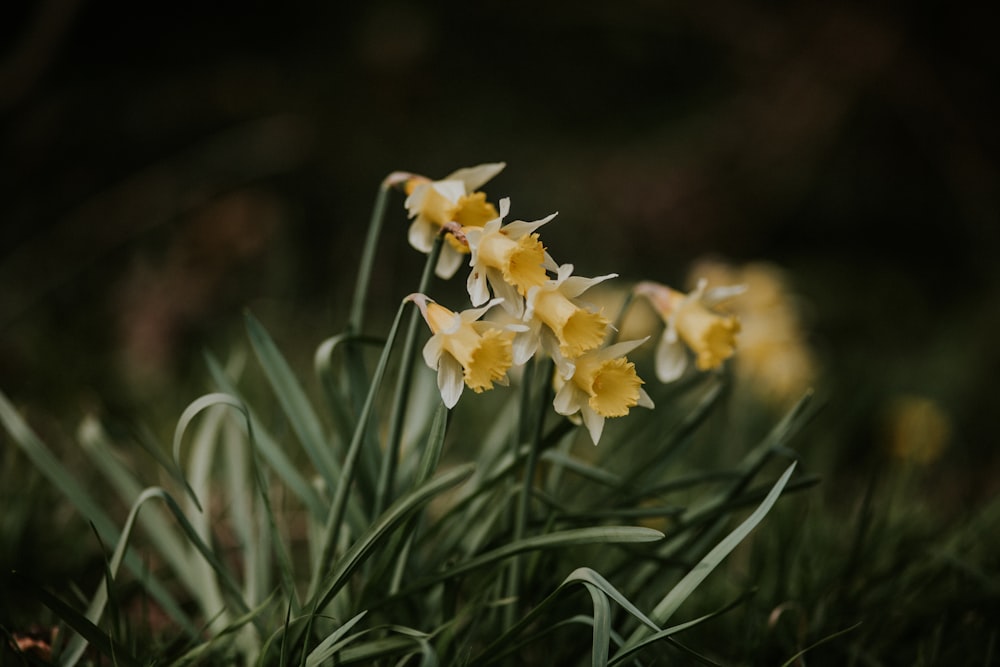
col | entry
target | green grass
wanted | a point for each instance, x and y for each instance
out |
(368, 524)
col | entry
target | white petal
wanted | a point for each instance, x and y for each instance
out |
(432, 351)
(529, 303)
(549, 263)
(473, 235)
(621, 349)
(565, 367)
(519, 228)
(504, 207)
(476, 285)
(415, 201)
(421, 234)
(567, 399)
(716, 295)
(450, 189)
(671, 359)
(593, 421)
(512, 301)
(524, 346)
(574, 286)
(474, 177)
(644, 399)
(450, 381)
(699, 289)
(473, 314)
(448, 262)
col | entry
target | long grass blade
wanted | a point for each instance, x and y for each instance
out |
(76, 647)
(331, 529)
(164, 537)
(507, 642)
(268, 447)
(556, 540)
(96, 637)
(332, 643)
(668, 633)
(62, 479)
(301, 415)
(602, 626)
(404, 381)
(679, 593)
(384, 525)
(190, 412)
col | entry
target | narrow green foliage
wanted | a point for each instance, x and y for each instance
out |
(679, 593)
(294, 536)
(331, 530)
(301, 415)
(269, 448)
(387, 470)
(84, 502)
(383, 526)
(333, 642)
(96, 637)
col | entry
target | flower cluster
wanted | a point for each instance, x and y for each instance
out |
(510, 267)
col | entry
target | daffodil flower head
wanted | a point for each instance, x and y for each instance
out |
(463, 350)
(433, 204)
(551, 309)
(509, 257)
(603, 384)
(690, 321)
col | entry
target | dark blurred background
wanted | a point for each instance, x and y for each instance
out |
(168, 165)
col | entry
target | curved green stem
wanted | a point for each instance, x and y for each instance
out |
(387, 472)
(336, 515)
(536, 409)
(356, 318)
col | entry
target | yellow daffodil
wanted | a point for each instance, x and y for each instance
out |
(453, 199)
(557, 323)
(690, 320)
(603, 384)
(917, 428)
(463, 350)
(776, 361)
(509, 257)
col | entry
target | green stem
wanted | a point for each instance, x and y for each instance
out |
(356, 377)
(355, 320)
(387, 473)
(543, 397)
(336, 515)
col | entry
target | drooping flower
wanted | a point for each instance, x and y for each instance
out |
(775, 360)
(464, 351)
(509, 257)
(603, 384)
(564, 328)
(453, 199)
(690, 321)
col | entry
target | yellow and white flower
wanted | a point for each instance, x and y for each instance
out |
(453, 199)
(464, 351)
(558, 323)
(690, 320)
(776, 362)
(603, 384)
(508, 257)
